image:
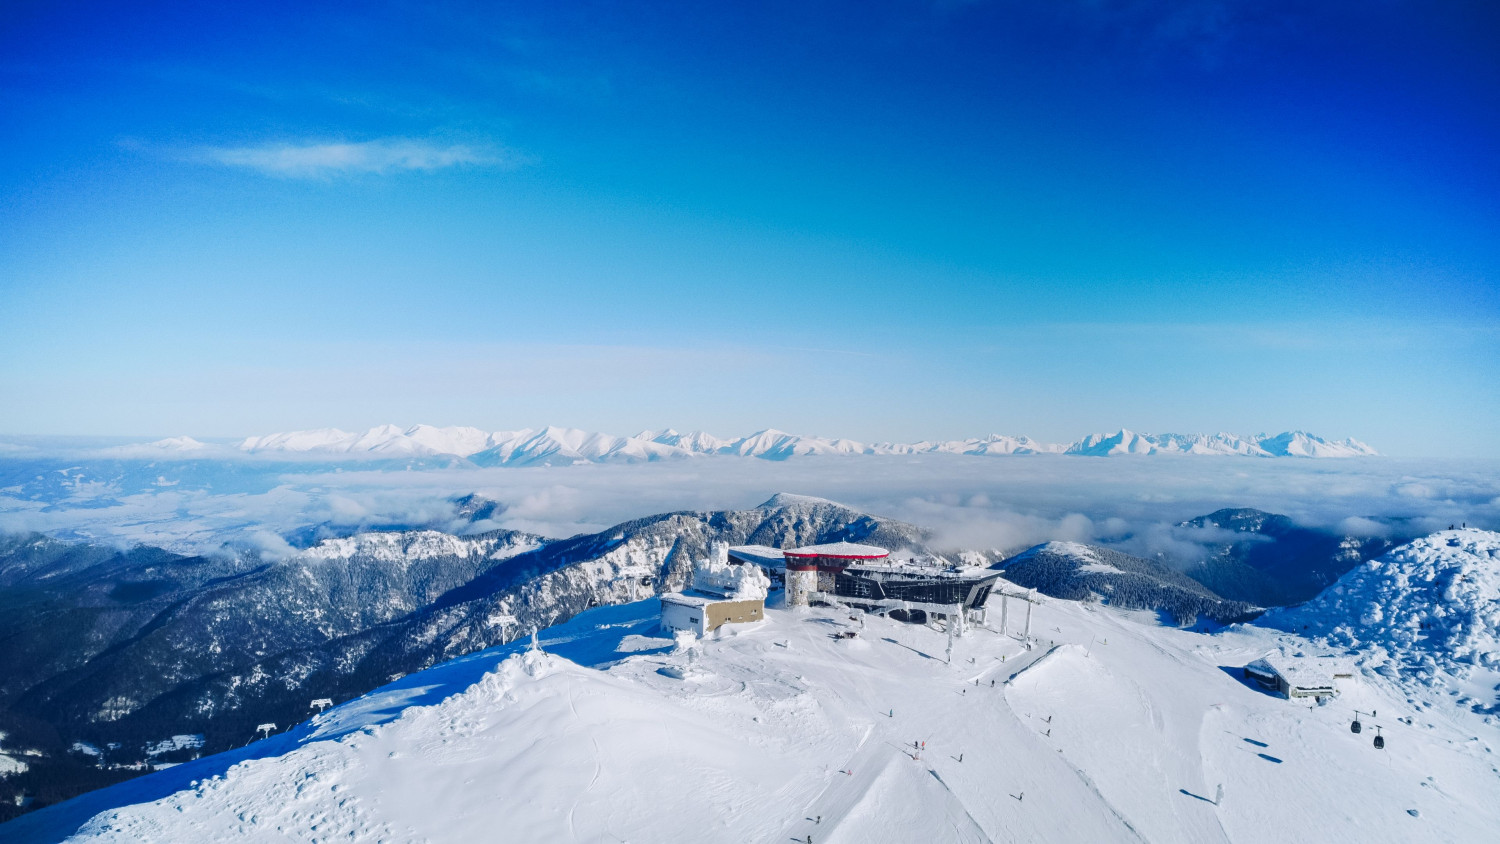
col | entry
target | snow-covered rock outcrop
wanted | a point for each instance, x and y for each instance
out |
(1426, 609)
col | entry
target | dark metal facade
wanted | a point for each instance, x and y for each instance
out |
(969, 590)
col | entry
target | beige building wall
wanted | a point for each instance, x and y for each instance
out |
(734, 612)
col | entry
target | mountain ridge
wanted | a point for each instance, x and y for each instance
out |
(553, 445)
(120, 650)
(1077, 571)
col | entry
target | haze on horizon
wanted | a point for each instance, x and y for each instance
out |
(889, 221)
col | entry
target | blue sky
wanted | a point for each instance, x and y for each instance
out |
(886, 220)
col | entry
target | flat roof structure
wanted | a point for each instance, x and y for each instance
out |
(687, 600)
(839, 551)
(761, 555)
(1297, 676)
(832, 557)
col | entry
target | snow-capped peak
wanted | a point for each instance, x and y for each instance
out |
(554, 445)
(1301, 444)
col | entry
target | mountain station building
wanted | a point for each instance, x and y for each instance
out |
(722, 591)
(1293, 677)
(702, 614)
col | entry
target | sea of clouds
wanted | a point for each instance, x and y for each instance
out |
(1005, 503)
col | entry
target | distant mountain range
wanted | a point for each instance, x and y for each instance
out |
(562, 446)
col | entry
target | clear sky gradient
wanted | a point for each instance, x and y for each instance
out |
(881, 220)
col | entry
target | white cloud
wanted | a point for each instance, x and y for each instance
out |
(384, 155)
(1004, 503)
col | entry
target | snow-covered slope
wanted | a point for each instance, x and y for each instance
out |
(1080, 572)
(1427, 613)
(1108, 730)
(1290, 444)
(561, 446)
(1299, 444)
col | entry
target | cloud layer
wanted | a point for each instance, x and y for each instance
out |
(1002, 503)
(384, 155)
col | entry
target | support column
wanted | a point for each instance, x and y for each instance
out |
(799, 585)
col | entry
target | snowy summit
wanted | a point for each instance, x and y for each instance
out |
(552, 446)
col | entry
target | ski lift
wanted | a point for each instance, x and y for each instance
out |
(1356, 726)
(1379, 740)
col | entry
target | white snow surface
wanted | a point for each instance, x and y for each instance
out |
(183, 741)
(9, 764)
(410, 545)
(1289, 444)
(1075, 550)
(1427, 613)
(1109, 730)
(561, 446)
(839, 549)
